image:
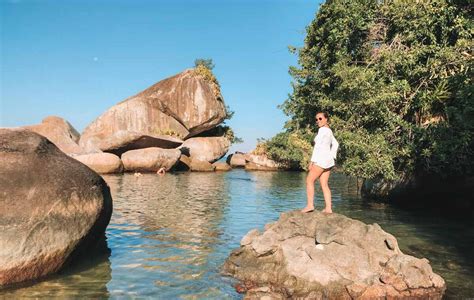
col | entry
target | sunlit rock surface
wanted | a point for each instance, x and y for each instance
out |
(102, 163)
(183, 105)
(52, 207)
(150, 159)
(255, 162)
(60, 132)
(208, 149)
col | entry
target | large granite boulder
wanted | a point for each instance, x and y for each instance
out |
(255, 162)
(236, 160)
(123, 140)
(52, 207)
(60, 132)
(208, 149)
(319, 256)
(183, 105)
(102, 163)
(150, 159)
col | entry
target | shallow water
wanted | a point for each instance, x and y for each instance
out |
(169, 235)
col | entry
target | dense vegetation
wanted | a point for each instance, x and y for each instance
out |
(396, 79)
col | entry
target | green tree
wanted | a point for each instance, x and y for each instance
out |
(396, 79)
(203, 67)
(206, 62)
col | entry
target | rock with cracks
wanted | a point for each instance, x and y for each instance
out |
(319, 256)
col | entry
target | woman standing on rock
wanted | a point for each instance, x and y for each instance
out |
(322, 160)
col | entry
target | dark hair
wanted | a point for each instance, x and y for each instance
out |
(325, 114)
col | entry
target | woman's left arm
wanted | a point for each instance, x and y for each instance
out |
(334, 146)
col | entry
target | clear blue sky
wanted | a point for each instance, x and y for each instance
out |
(75, 59)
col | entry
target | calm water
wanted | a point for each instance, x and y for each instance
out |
(170, 234)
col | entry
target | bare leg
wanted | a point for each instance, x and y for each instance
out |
(313, 174)
(323, 179)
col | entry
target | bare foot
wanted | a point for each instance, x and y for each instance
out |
(326, 211)
(307, 209)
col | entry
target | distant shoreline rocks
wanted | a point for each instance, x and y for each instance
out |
(145, 132)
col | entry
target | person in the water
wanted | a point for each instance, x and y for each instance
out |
(322, 161)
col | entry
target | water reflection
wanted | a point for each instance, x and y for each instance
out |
(86, 277)
(169, 235)
(171, 223)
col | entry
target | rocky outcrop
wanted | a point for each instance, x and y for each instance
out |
(150, 159)
(102, 163)
(123, 141)
(236, 160)
(222, 166)
(60, 132)
(183, 105)
(255, 162)
(52, 207)
(319, 256)
(208, 149)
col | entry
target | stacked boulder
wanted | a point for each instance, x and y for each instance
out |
(167, 124)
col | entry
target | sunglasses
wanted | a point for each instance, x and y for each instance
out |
(319, 119)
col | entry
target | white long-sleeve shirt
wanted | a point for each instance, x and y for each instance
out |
(325, 148)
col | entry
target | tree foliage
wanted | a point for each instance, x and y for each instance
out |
(396, 79)
(205, 62)
(203, 67)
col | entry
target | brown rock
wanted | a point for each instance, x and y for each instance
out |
(102, 163)
(60, 132)
(255, 162)
(201, 166)
(315, 255)
(150, 159)
(52, 207)
(221, 166)
(208, 149)
(123, 141)
(183, 105)
(236, 160)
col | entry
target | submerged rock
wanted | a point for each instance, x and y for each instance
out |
(318, 256)
(60, 132)
(52, 207)
(183, 106)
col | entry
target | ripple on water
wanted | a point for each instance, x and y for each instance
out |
(169, 235)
